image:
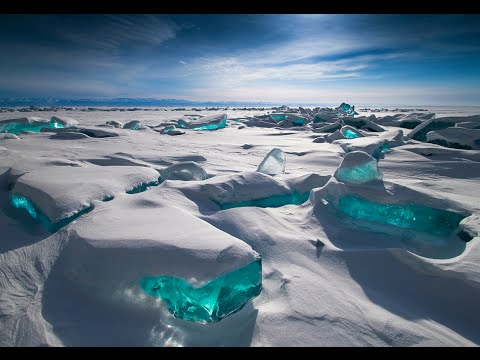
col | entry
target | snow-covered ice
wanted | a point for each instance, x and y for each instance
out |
(278, 228)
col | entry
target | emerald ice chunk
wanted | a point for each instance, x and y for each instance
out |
(358, 167)
(350, 134)
(271, 201)
(409, 216)
(21, 202)
(212, 301)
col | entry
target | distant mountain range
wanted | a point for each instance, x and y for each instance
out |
(5, 102)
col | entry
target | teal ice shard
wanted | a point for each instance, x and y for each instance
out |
(186, 171)
(358, 167)
(273, 201)
(346, 109)
(212, 301)
(63, 192)
(21, 202)
(34, 124)
(409, 216)
(211, 122)
(133, 125)
(273, 163)
(350, 132)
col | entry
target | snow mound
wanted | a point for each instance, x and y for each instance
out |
(274, 163)
(358, 167)
(61, 192)
(116, 251)
(186, 171)
(115, 124)
(8, 136)
(456, 137)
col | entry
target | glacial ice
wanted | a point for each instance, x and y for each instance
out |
(409, 216)
(186, 171)
(358, 167)
(350, 133)
(212, 122)
(212, 301)
(133, 125)
(274, 163)
(346, 109)
(272, 201)
(21, 202)
(32, 124)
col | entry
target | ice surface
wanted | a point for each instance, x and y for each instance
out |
(187, 171)
(274, 163)
(420, 218)
(212, 301)
(358, 167)
(381, 280)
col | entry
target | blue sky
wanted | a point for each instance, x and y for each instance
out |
(367, 59)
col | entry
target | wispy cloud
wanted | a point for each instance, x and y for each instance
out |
(121, 30)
